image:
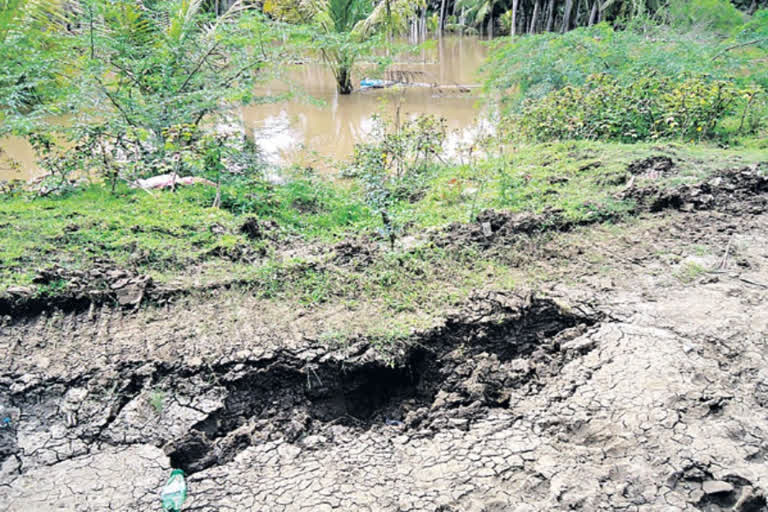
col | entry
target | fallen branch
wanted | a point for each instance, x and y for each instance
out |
(740, 45)
(753, 283)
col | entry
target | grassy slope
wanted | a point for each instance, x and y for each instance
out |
(180, 240)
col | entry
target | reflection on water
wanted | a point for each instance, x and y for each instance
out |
(307, 133)
(302, 132)
(17, 159)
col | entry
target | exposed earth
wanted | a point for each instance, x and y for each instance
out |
(630, 375)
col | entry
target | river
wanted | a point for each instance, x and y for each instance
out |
(322, 132)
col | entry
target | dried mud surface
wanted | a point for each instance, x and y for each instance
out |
(634, 378)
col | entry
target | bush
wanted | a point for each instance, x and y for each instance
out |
(395, 165)
(649, 107)
(146, 83)
(531, 67)
(718, 15)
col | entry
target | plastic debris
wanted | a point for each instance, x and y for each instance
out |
(368, 83)
(175, 491)
(171, 181)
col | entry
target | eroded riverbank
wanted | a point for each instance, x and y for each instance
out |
(628, 375)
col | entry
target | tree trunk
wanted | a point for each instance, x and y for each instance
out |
(532, 27)
(550, 16)
(442, 17)
(513, 30)
(344, 81)
(490, 25)
(593, 14)
(566, 26)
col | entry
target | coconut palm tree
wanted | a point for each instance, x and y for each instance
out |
(344, 26)
(477, 11)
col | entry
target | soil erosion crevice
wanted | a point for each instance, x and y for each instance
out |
(203, 415)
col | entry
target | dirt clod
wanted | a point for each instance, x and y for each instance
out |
(652, 168)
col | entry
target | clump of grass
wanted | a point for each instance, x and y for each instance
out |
(690, 271)
(157, 400)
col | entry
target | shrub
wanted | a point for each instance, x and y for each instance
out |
(649, 107)
(531, 67)
(396, 164)
(143, 81)
(718, 15)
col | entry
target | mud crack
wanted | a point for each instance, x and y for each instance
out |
(495, 347)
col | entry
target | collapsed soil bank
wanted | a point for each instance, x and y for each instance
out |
(642, 396)
(445, 377)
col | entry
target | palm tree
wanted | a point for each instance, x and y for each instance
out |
(343, 26)
(477, 11)
(338, 20)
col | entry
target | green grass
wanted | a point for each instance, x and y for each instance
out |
(577, 178)
(689, 272)
(164, 232)
(178, 238)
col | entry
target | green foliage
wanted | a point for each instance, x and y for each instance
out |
(531, 67)
(649, 107)
(284, 10)
(756, 29)
(157, 400)
(148, 82)
(689, 272)
(478, 11)
(718, 15)
(32, 60)
(646, 82)
(395, 165)
(305, 204)
(752, 42)
(506, 21)
(348, 32)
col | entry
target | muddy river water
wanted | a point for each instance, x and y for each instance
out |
(325, 130)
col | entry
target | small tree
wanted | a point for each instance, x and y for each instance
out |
(395, 165)
(345, 31)
(166, 67)
(146, 76)
(33, 51)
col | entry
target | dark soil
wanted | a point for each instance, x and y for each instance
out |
(738, 191)
(446, 376)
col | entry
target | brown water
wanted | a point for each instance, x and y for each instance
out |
(299, 131)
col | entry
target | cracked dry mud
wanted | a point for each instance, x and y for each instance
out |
(643, 394)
